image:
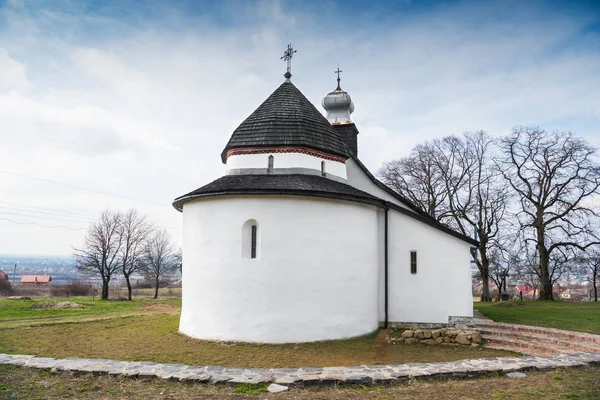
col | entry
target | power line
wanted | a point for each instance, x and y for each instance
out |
(47, 213)
(80, 187)
(43, 217)
(66, 220)
(43, 226)
(47, 209)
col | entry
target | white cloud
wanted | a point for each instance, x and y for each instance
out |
(14, 73)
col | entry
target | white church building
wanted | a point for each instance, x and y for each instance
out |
(299, 242)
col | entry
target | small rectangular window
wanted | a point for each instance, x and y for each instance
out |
(413, 262)
(253, 248)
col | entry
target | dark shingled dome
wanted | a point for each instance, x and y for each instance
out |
(287, 118)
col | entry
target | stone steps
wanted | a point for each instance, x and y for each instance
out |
(566, 344)
(533, 340)
(523, 346)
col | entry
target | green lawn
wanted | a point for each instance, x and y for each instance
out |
(18, 313)
(583, 317)
(148, 330)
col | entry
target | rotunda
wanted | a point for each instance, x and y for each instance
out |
(273, 250)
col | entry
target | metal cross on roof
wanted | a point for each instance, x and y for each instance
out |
(287, 56)
(338, 74)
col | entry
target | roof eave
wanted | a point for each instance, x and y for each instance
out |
(180, 201)
(346, 156)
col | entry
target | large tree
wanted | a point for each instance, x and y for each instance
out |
(554, 175)
(100, 253)
(161, 259)
(134, 230)
(477, 194)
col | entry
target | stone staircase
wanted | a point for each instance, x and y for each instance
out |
(534, 340)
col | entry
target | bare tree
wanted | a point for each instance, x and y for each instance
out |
(553, 176)
(134, 231)
(161, 258)
(101, 251)
(477, 194)
(418, 178)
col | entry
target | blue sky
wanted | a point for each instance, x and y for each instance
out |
(138, 98)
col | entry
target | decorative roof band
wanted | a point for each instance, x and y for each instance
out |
(285, 149)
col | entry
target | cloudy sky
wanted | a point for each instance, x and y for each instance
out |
(129, 103)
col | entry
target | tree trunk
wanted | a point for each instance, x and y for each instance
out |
(128, 286)
(485, 280)
(104, 295)
(156, 289)
(595, 289)
(544, 258)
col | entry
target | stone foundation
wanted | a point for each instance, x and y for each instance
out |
(453, 335)
(452, 321)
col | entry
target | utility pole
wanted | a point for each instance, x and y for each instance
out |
(14, 274)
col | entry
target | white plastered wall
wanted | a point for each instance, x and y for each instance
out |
(442, 285)
(285, 160)
(316, 276)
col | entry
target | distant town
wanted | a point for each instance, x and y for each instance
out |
(60, 268)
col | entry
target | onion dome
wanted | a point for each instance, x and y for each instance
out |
(339, 106)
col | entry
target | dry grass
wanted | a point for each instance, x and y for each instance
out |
(29, 384)
(155, 338)
(148, 331)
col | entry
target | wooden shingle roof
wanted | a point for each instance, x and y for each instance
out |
(287, 118)
(296, 184)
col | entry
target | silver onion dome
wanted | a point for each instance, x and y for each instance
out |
(339, 106)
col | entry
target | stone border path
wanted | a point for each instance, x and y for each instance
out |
(306, 376)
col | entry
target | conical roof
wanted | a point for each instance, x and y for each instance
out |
(287, 118)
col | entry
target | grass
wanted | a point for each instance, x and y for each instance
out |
(147, 330)
(583, 317)
(251, 388)
(31, 384)
(18, 313)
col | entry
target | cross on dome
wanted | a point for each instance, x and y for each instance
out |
(287, 57)
(338, 78)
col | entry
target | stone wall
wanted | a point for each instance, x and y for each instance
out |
(459, 336)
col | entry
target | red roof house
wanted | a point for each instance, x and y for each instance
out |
(36, 280)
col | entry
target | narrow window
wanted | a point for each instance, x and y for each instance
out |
(250, 240)
(322, 168)
(270, 166)
(413, 262)
(253, 243)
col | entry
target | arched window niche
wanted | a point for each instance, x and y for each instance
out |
(270, 164)
(250, 240)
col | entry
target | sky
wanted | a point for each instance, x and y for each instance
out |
(128, 104)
